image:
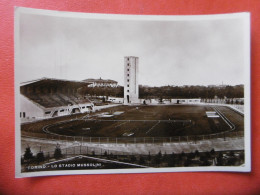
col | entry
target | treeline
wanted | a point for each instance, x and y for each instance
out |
(30, 158)
(204, 92)
(102, 91)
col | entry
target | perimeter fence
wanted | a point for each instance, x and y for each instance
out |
(133, 140)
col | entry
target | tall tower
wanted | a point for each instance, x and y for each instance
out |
(131, 87)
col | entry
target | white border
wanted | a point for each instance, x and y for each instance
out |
(247, 110)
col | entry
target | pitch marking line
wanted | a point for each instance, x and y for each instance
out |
(152, 127)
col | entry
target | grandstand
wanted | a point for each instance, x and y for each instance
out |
(101, 82)
(47, 98)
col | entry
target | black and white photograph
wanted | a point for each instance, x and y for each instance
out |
(107, 93)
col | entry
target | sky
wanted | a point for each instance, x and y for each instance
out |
(177, 52)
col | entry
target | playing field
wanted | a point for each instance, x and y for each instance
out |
(148, 121)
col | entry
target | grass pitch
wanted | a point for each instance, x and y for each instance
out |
(147, 121)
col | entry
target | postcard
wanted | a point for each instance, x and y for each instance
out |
(111, 93)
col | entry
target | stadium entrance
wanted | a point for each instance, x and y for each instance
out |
(75, 110)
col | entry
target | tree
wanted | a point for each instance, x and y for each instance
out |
(212, 152)
(220, 160)
(133, 158)
(197, 154)
(242, 156)
(40, 157)
(182, 155)
(28, 155)
(206, 162)
(158, 158)
(160, 154)
(191, 155)
(48, 157)
(231, 153)
(149, 157)
(232, 161)
(171, 160)
(141, 160)
(165, 157)
(188, 162)
(208, 155)
(57, 152)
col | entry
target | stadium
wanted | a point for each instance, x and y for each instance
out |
(61, 112)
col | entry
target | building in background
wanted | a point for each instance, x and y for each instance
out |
(101, 82)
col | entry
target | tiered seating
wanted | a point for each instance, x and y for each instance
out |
(35, 98)
(48, 101)
(79, 99)
(57, 100)
(67, 98)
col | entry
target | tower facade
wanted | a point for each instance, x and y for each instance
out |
(131, 86)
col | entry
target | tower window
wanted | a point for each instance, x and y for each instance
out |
(127, 85)
(128, 64)
(127, 69)
(127, 80)
(127, 90)
(128, 75)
